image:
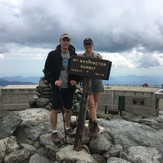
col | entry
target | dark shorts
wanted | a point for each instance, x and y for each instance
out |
(62, 97)
(96, 89)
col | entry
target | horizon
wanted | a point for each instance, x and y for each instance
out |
(109, 77)
(114, 80)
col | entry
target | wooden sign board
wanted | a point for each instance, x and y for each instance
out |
(90, 67)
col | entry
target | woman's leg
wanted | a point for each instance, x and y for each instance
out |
(92, 107)
(96, 96)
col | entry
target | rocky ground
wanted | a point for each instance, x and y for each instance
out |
(25, 137)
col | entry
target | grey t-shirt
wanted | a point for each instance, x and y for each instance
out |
(64, 72)
(94, 80)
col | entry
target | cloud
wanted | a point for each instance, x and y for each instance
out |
(118, 60)
(1, 56)
(115, 26)
(131, 31)
(38, 57)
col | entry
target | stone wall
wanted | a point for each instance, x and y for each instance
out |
(18, 97)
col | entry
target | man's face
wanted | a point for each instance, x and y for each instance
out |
(88, 47)
(65, 42)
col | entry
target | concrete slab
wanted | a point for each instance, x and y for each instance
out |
(20, 87)
(132, 89)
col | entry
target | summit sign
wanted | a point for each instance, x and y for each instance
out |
(90, 67)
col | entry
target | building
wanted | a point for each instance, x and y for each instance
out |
(114, 99)
(16, 97)
(131, 99)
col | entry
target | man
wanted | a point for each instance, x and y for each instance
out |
(96, 88)
(62, 83)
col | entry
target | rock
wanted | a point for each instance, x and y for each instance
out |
(68, 154)
(99, 148)
(30, 148)
(32, 103)
(152, 123)
(98, 158)
(8, 124)
(116, 160)
(51, 152)
(144, 154)
(43, 92)
(35, 122)
(126, 141)
(160, 119)
(45, 140)
(7, 146)
(38, 158)
(129, 134)
(17, 156)
(114, 150)
(42, 102)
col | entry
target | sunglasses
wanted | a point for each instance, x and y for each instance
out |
(66, 39)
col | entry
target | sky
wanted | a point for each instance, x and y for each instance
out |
(129, 33)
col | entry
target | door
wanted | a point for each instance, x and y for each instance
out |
(121, 103)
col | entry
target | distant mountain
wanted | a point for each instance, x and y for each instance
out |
(135, 80)
(4, 82)
(34, 80)
(113, 80)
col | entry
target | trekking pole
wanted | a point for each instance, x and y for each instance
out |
(64, 122)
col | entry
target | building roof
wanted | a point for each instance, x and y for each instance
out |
(131, 89)
(20, 87)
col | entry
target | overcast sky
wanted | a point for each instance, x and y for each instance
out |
(127, 32)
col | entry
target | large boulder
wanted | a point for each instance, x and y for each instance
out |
(7, 146)
(68, 154)
(143, 154)
(121, 140)
(129, 134)
(8, 124)
(35, 122)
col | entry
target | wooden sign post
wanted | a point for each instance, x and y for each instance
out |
(87, 68)
(82, 114)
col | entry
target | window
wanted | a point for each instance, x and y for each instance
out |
(138, 101)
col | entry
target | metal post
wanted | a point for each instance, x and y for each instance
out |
(106, 110)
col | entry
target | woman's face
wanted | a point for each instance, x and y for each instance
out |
(88, 47)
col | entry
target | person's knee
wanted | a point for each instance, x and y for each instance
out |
(91, 105)
(68, 111)
(55, 111)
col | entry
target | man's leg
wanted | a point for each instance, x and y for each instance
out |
(67, 117)
(53, 119)
(69, 130)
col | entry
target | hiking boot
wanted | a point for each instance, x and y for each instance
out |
(73, 125)
(70, 133)
(94, 129)
(56, 140)
(90, 125)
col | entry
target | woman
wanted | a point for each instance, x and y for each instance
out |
(96, 88)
